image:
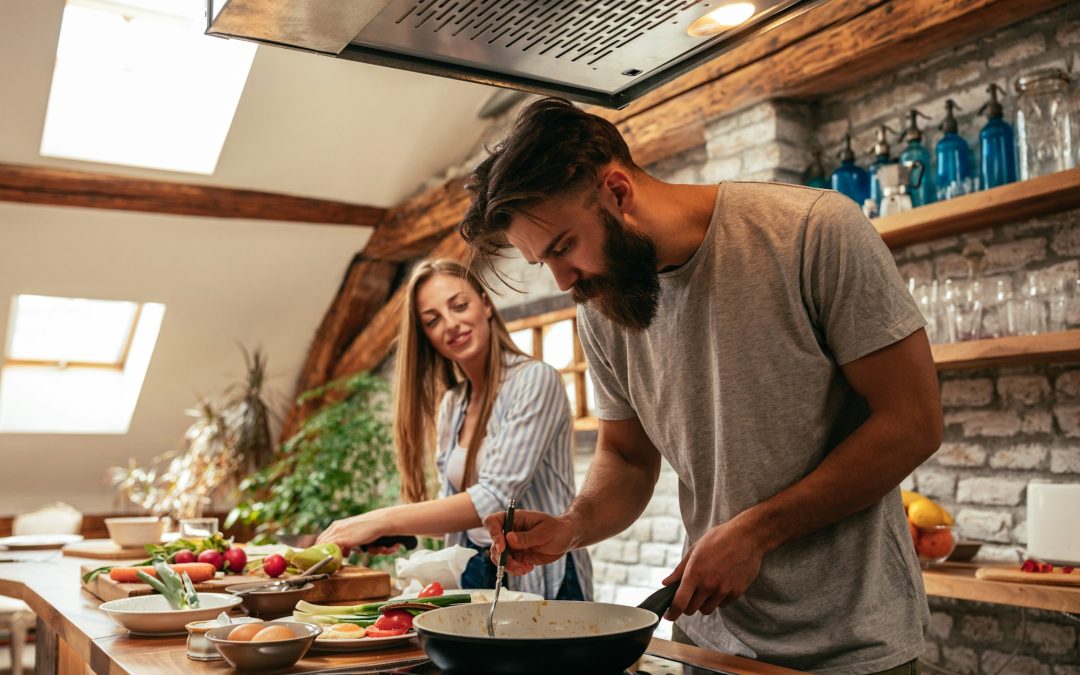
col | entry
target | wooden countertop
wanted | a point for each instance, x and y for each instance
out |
(957, 580)
(51, 588)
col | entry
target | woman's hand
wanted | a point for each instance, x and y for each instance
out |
(354, 531)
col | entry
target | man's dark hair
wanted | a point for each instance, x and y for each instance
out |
(554, 149)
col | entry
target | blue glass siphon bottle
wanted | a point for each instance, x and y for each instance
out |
(849, 179)
(953, 174)
(997, 144)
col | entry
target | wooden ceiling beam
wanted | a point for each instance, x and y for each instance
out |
(799, 27)
(63, 187)
(874, 43)
(414, 227)
(363, 292)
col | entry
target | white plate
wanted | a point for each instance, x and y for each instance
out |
(152, 615)
(29, 542)
(480, 595)
(361, 645)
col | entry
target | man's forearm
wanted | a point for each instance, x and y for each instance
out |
(615, 493)
(860, 471)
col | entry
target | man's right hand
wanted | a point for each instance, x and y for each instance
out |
(537, 539)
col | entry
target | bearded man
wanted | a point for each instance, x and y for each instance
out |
(759, 338)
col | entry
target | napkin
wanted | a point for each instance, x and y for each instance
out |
(424, 567)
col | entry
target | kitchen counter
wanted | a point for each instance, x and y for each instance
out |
(957, 580)
(75, 637)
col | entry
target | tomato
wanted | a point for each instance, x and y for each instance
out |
(374, 632)
(394, 619)
(432, 590)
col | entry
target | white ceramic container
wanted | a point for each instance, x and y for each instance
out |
(152, 615)
(136, 531)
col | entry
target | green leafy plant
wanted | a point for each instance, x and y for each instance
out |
(340, 463)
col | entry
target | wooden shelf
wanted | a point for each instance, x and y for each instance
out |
(957, 580)
(998, 206)
(1008, 351)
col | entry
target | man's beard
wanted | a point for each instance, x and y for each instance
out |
(628, 291)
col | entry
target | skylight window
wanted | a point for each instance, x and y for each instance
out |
(75, 365)
(137, 83)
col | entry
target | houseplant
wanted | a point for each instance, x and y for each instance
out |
(338, 464)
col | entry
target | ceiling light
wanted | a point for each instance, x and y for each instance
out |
(724, 17)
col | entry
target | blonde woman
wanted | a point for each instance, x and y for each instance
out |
(503, 429)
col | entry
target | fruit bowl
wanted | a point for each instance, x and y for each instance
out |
(934, 544)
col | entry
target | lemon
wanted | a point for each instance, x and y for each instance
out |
(925, 514)
(908, 496)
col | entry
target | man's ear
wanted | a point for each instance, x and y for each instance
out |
(621, 186)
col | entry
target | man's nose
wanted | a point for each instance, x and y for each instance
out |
(565, 275)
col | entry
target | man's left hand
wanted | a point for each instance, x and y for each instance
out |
(717, 570)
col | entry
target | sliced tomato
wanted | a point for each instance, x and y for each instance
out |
(432, 590)
(394, 619)
(374, 632)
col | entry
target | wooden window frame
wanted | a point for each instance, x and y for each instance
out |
(578, 367)
(118, 365)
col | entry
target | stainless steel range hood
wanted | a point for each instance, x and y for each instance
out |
(603, 52)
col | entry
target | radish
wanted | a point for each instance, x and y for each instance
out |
(214, 558)
(235, 559)
(184, 556)
(274, 565)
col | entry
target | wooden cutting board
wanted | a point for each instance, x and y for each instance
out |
(104, 549)
(1013, 574)
(349, 583)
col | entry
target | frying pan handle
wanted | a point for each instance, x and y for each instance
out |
(661, 600)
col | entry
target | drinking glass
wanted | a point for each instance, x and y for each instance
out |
(966, 307)
(998, 319)
(198, 528)
(1030, 308)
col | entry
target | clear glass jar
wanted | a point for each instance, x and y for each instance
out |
(1044, 123)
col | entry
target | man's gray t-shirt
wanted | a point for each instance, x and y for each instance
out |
(737, 383)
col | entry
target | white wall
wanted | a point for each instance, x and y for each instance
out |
(222, 281)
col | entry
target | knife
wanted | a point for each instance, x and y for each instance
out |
(407, 540)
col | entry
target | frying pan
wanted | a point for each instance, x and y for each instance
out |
(548, 636)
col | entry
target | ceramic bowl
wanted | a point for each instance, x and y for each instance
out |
(135, 532)
(265, 655)
(270, 604)
(152, 614)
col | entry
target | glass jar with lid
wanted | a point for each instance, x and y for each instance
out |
(1044, 123)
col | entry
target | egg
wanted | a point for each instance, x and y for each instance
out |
(342, 631)
(272, 634)
(245, 631)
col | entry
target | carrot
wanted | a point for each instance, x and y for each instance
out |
(198, 572)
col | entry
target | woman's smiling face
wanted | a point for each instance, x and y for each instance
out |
(455, 317)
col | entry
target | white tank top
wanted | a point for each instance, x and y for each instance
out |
(455, 471)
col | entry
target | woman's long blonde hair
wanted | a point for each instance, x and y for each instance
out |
(423, 375)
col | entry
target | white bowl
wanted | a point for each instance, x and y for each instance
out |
(152, 615)
(136, 531)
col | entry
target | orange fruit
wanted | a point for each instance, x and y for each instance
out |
(914, 534)
(936, 543)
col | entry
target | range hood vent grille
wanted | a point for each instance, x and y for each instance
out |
(560, 30)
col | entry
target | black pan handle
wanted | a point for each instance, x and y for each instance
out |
(406, 540)
(661, 600)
